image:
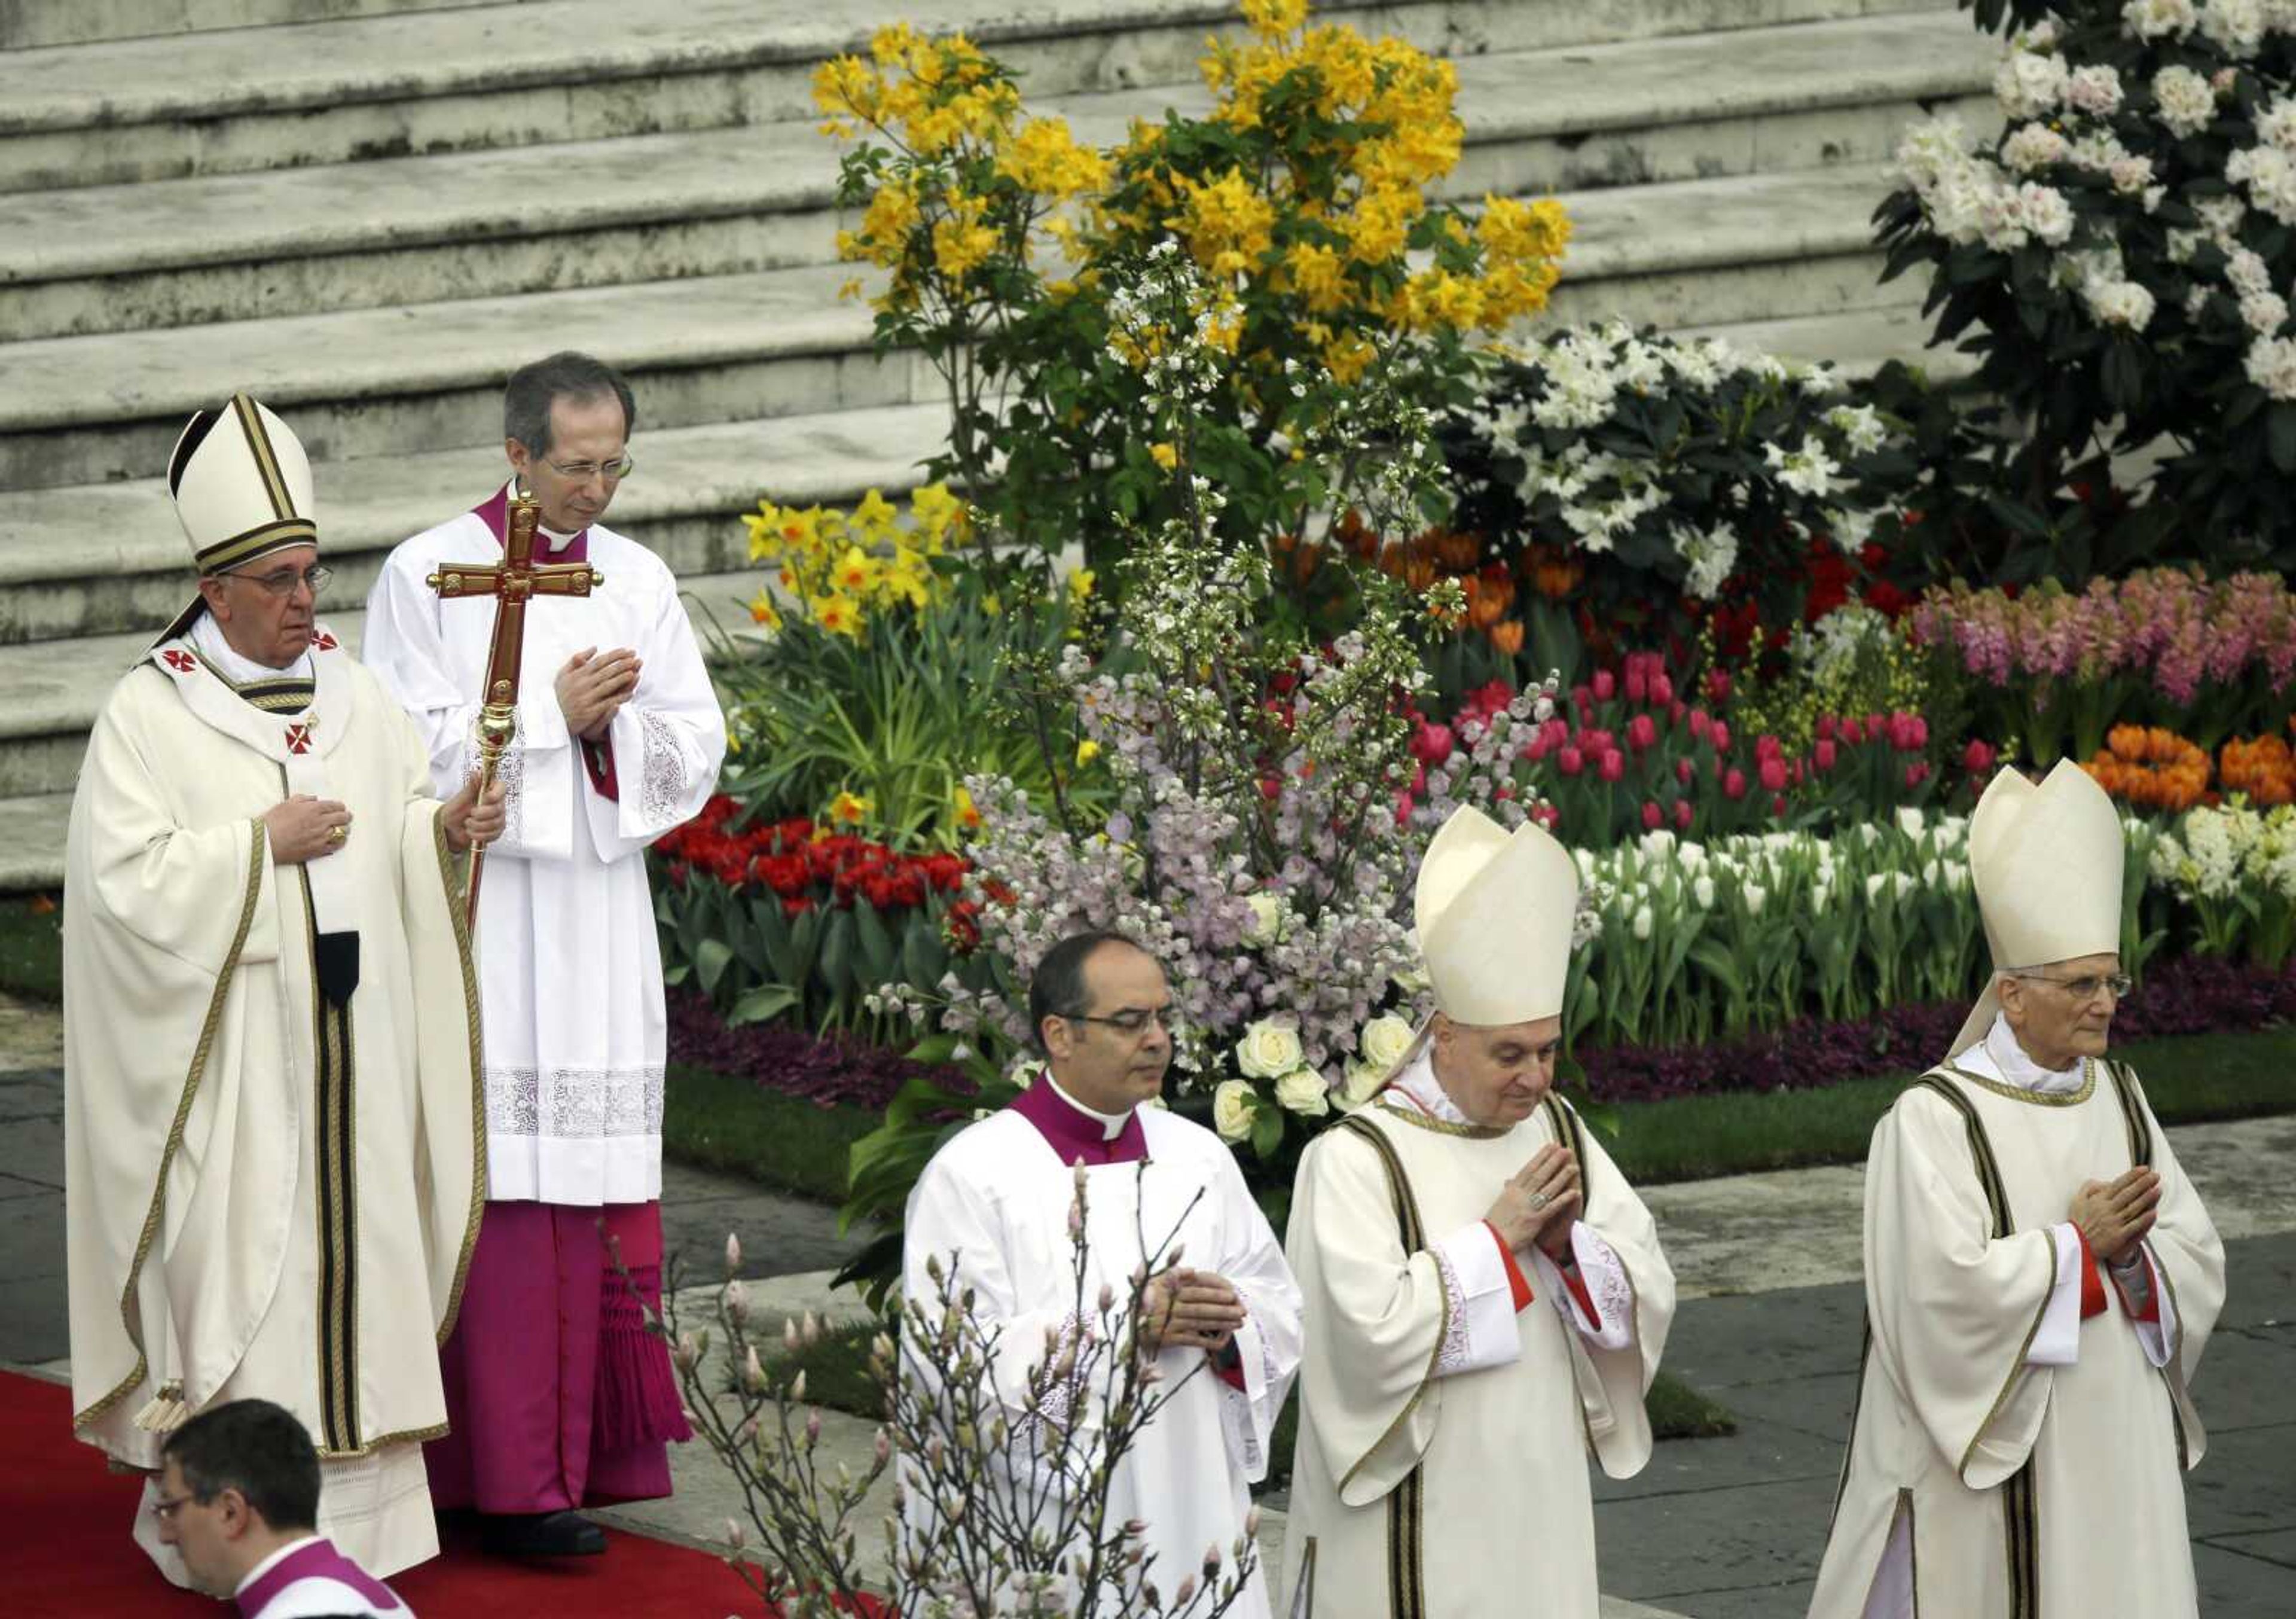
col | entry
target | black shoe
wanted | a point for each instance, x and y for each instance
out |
(541, 1534)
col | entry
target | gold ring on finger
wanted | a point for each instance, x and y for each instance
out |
(1538, 1200)
(335, 834)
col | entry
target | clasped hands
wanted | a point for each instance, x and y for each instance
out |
(1184, 1308)
(2115, 1215)
(1540, 1203)
(592, 686)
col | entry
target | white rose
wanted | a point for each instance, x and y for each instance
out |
(1268, 920)
(1268, 1049)
(1234, 1103)
(1303, 1091)
(1385, 1040)
(1361, 1084)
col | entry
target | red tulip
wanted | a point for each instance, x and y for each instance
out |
(1642, 733)
(1653, 817)
(1683, 773)
(1569, 762)
(1778, 805)
(1734, 785)
(1682, 815)
(1978, 757)
(1768, 746)
(1431, 744)
(1637, 682)
(1661, 691)
(1613, 765)
(1852, 734)
(1917, 773)
(1825, 727)
(1721, 737)
(1701, 724)
(1822, 755)
(1606, 685)
(1774, 775)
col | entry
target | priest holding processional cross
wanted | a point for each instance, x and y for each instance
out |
(273, 1144)
(560, 660)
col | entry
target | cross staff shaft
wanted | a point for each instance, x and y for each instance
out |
(511, 583)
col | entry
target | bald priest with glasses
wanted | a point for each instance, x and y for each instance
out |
(2040, 1275)
(561, 1398)
(271, 1065)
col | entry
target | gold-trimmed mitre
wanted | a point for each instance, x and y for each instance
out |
(2047, 863)
(1493, 911)
(242, 486)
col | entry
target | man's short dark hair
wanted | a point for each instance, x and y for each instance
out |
(256, 1448)
(1057, 987)
(568, 374)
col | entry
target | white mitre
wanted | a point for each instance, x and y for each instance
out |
(242, 490)
(1495, 912)
(2046, 863)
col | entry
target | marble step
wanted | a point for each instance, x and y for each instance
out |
(110, 558)
(401, 381)
(28, 24)
(727, 201)
(558, 70)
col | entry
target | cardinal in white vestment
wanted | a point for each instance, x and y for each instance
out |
(991, 1212)
(2040, 1277)
(273, 1143)
(1485, 1297)
(560, 1397)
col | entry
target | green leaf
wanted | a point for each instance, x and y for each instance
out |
(763, 1004)
(711, 957)
(876, 944)
(2280, 431)
(1266, 1128)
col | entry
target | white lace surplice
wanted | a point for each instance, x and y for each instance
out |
(569, 969)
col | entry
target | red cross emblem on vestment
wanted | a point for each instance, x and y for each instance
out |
(180, 660)
(325, 642)
(299, 739)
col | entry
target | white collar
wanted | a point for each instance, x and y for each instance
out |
(264, 1567)
(208, 637)
(1112, 1125)
(1999, 1057)
(1423, 1090)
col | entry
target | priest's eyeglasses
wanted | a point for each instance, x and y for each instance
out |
(165, 1508)
(2084, 988)
(582, 471)
(1132, 1022)
(282, 581)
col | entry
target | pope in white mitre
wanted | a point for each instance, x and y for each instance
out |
(273, 1139)
(2040, 1277)
(1485, 1297)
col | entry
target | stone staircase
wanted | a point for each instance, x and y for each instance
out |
(367, 211)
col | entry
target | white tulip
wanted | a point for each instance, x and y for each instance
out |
(1757, 895)
(1701, 889)
(1642, 921)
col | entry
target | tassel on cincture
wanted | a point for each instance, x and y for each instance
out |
(165, 1412)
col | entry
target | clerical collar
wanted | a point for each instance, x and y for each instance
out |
(1076, 1131)
(256, 1574)
(275, 691)
(1418, 1086)
(494, 512)
(1999, 1058)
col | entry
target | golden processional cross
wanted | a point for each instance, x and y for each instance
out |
(510, 581)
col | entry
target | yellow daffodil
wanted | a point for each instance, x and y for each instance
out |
(1087, 752)
(1080, 584)
(968, 813)
(763, 613)
(849, 810)
(1164, 456)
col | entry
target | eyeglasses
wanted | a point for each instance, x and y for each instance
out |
(1132, 1022)
(166, 1508)
(2085, 987)
(582, 471)
(283, 581)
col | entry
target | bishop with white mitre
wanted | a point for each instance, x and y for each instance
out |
(273, 1144)
(2040, 1275)
(1486, 1295)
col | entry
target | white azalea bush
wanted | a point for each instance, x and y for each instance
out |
(1651, 470)
(2119, 259)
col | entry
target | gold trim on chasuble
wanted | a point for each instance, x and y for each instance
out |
(1441, 1127)
(1406, 1502)
(335, 1139)
(2021, 1518)
(2033, 1098)
(451, 885)
(257, 847)
(2140, 1156)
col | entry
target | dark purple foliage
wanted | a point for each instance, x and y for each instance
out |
(2191, 995)
(828, 1069)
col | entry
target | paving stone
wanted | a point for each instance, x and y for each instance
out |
(2235, 1586)
(1658, 1549)
(2243, 1484)
(2271, 1545)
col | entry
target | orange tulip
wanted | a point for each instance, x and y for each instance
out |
(1507, 637)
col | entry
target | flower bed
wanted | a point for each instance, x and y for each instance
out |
(830, 1069)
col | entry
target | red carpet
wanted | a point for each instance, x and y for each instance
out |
(65, 1551)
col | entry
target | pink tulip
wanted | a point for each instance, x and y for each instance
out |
(1674, 711)
(1825, 727)
(1535, 749)
(1637, 682)
(1584, 698)
(1774, 775)
(1642, 733)
(1978, 757)
(1721, 737)
(1653, 817)
(1916, 773)
(1768, 746)
(1701, 724)
(1606, 685)
(1596, 741)
(1661, 691)
(1734, 785)
(1852, 734)
(1682, 815)
(1717, 687)
(1613, 765)
(1569, 762)
(1683, 773)
(1822, 755)
(1778, 806)
(1431, 744)
(1548, 815)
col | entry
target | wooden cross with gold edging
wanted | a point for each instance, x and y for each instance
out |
(511, 583)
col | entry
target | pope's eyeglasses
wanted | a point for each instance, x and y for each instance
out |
(284, 580)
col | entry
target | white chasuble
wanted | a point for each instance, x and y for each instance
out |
(271, 1190)
(1991, 1474)
(993, 1206)
(1419, 1492)
(568, 961)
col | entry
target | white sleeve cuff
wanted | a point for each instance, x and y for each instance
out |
(2057, 1341)
(1603, 1274)
(1482, 1331)
(2157, 1337)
